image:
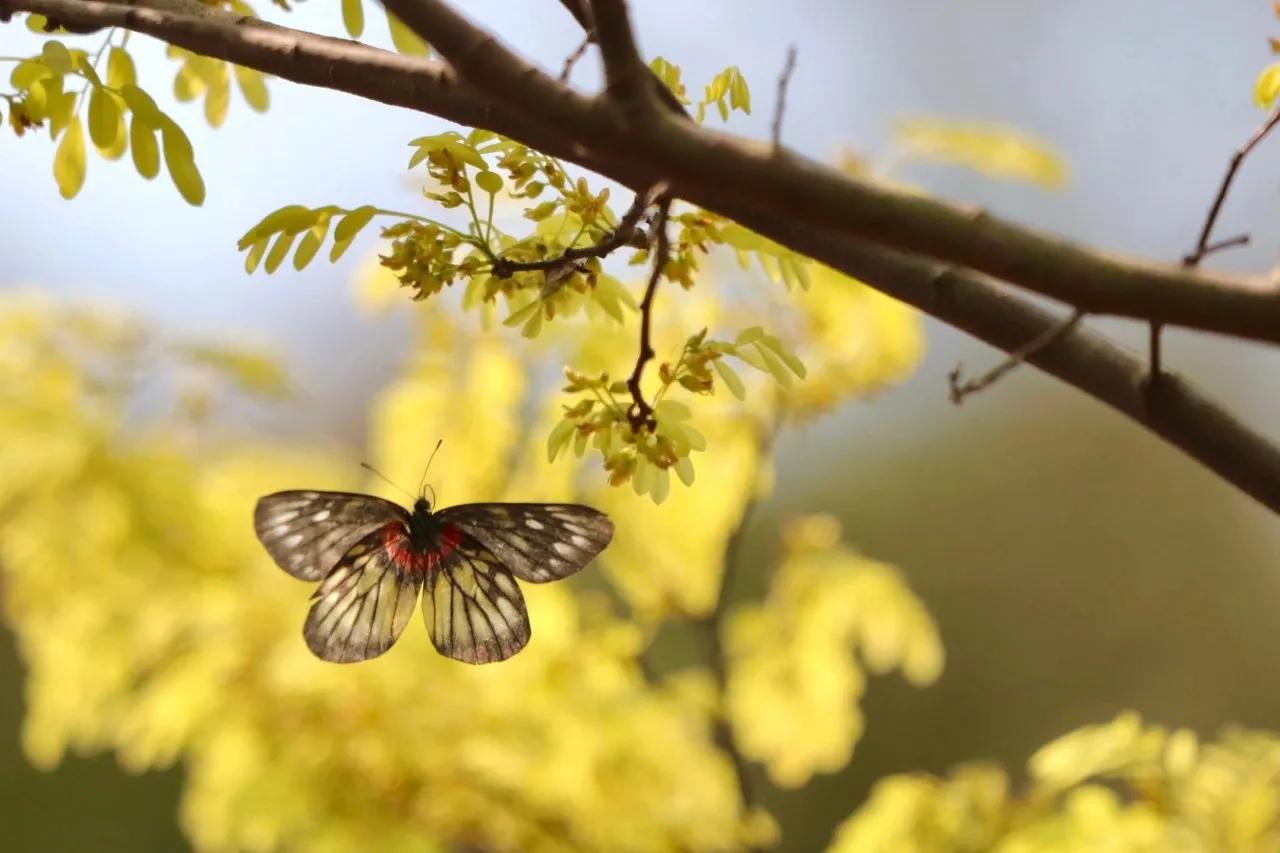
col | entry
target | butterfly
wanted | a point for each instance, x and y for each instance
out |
(373, 557)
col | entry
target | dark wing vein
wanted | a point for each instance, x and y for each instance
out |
(364, 603)
(307, 532)
(536, 542)
(473, 609)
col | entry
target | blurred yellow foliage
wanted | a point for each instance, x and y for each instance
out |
(152, 624)
(1120, 786)
(995, 150)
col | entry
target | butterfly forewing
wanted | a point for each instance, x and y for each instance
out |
(474, 611)
(366, 600)
(537, 542)
(308, 532)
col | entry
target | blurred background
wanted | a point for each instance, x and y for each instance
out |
(1076, 565)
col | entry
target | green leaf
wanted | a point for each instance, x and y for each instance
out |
(787, 356)
(120, 69)
(292, 218)
(256, 251)
(672, 410)
(560, 435)
(775, 366)
(69, 161)
(253, 87)
(684, 470)
(534, 326)
(751, 335)
(180, 160)
(353, 17)
(490, 182)
(643, 475)
(146, 153)
(279, 250)
(661, 485)
(731, 379)
(404, 39)
(521, 315)
(351, 224)
(104, 118)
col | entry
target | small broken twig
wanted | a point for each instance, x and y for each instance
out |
(784, 79)
(960, 390)
(641, 413)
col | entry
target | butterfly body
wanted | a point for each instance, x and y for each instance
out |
(373, 557)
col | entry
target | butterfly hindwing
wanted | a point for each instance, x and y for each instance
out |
(308, 532)
(536, 542)
(366, 600)
(474, 611)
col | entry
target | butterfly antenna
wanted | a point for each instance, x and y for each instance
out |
(386, 479)
(422, 484)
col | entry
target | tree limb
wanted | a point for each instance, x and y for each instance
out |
(584, 131)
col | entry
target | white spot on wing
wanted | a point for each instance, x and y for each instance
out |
(580, 541)
(321, 515)
(292, 541)
(563, 548)
(534, 524)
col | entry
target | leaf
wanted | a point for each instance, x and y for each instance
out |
(559, 438)
(69, 161)
(120, 69)
(994, 150)
(490, 182)
(348, 227)
(684, 470)
(279, 251)
(292, 218)
(1267, 86)
(775, 366)
(353, 17)
(180, 160)
(141, 104)
(404, 39)
(788, 357)
(55, 55)
(310, 244)
(27, 72)
(661, 485)
(731, 379)
(121, 142)
(187, 83)
(104, 118)
(218, 100)
(142, 142)
(253, 87)
(254, 256)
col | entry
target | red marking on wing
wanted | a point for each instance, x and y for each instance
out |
(396, 540)
(450, 538)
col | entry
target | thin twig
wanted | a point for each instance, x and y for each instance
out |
(784, 80)
(621, 235)
(960, 390)
(641, 413)
(573, 58)
(1203, 246)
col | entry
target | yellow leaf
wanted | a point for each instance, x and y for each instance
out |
(142, 105)
(253, 87)
(353, 17)
(1267, 86)
(104, 118)
(180, 160)
(404, 39)
(120, 69)
(69, 161)
(187, 83)
(992, 149)
(120, 143)
(146, 153)
(218, 98)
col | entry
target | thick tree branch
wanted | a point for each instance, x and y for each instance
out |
(700, 163)
(589, 133)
